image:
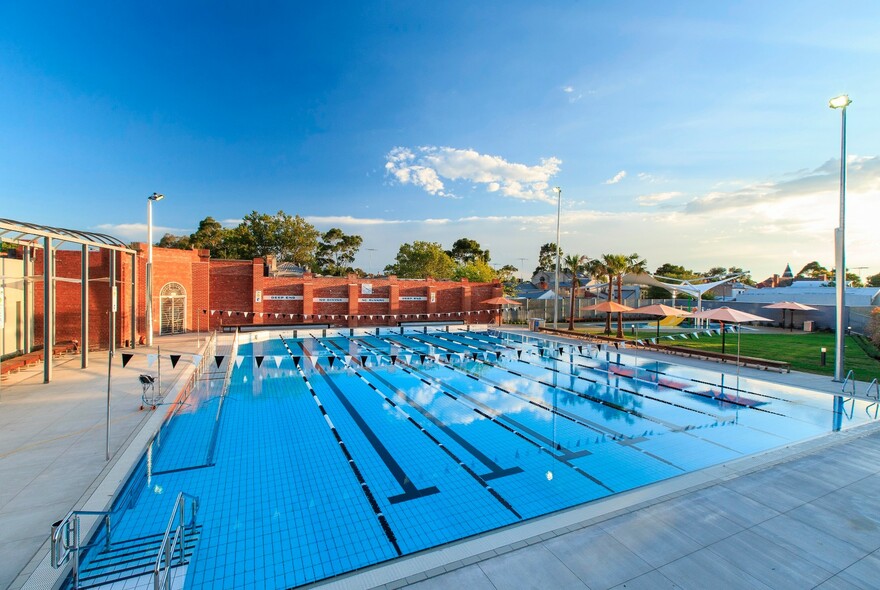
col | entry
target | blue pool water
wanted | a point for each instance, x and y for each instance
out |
(325, 455)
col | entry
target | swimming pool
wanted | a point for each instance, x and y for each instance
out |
(334, 450)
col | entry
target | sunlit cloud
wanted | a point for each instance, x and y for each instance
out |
(616, 178)
(430, 168)
(656, 198)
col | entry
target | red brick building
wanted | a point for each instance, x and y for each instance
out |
(193, 292)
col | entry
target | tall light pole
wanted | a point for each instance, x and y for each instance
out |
(556, 283)
(840, 102)
(150, 199)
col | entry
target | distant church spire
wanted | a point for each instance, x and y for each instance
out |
(788, 274)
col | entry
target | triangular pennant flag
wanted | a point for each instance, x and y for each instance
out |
(259, 359)
(407, 358)
(246, 314)
(393, 359)
(277, 358)
(331, 359)
(197, 358)
(497, 355)
(213, 311)
(346, 360)
(218, 359)
(175, 358)
(238, 360)
(296, 361)
(126, 356)
(151, 358)
(364, 361)
(580, 349)
(422, 358)
(519, 354)
(448, 357)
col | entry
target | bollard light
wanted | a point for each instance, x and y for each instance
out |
(822, 357)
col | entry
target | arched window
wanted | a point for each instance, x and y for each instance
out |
(172, 309)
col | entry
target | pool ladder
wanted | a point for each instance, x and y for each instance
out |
(176, 542)
(851, 379)
(65, 541)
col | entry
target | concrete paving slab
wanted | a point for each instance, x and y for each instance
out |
(652, 580)
(649, 538)
(517, 571)
(812, 542)
(703, 569)
(471, 577)
(597, 558)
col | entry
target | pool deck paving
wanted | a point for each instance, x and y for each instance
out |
(803, 516)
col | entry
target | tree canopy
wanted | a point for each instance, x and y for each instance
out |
(420, 260)
(336, 252)
(466, 250)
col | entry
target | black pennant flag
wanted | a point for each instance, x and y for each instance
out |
(422, 358)
(393, 359)
(219, 360)
(448, 357)
(175, 358)
(497, 356)
(519, 354)
(331, 359)
(259, 360)
(580, 349)
(474, 355)
(296, 361)
(561, 350)
(364, 361)
(126, 356)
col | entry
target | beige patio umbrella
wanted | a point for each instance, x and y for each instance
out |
(730, 316)
(609, 307)
(793, 306)
(661, 311)
(501, 302)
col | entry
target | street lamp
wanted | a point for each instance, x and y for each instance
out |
(840, 102)
(150, 199)
(556, 285)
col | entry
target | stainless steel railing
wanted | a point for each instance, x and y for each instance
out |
(171, 543)
(851, 379)
(65, 539)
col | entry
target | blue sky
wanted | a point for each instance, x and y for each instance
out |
(696, 133)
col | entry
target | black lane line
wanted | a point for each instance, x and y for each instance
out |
(365, 488)
(410, 491)
(493, 416)
(495, 470)
(482, 480)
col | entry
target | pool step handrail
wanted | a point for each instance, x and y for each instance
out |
(165, 556)
(851, 379)
(65, 540)
(875, 385)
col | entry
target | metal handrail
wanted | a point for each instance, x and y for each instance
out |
(65, 539)
(164, 562)
(875, 385)
(850, 378)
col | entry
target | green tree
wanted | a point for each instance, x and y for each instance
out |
(507, 275)
(465, 250)
(210, 235)
(172, 241)
(874, 327)
(813, 270)
(614, 264)
(632, 265)
(420, 260)
(290, 239)
(336, 252)
(477, 271)
(874, 280)
(547, 258)
(668, 271)
(574, 264)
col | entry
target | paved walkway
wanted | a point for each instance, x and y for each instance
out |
(53, 439)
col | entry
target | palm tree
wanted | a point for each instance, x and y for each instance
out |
(573, 264)
(633, 266)
(614, 264)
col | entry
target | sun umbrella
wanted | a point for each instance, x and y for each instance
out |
(501, 302)
(730, 316)
(609, 307)
(793, 306)
(661, 311)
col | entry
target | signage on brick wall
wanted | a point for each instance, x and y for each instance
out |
(413, 298)
(330, 299)
(366, 288)
(284, 298)
(433, 297)
(373, 300)
(258, 296)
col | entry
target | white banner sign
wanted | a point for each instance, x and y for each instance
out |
(373, 300)
(330, 299)
(284, 298)
(413, 298)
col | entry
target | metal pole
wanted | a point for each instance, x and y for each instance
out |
(149, 302)
(84, 313)
(48, 311)
(556, 286)
(840, 263)
(134, 316)
(112, 340)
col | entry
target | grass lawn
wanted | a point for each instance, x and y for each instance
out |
(802, 350)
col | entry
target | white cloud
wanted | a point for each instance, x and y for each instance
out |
(429, 167)
(656, 198)
(616, 178)
(138, 231)
(568, 89)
